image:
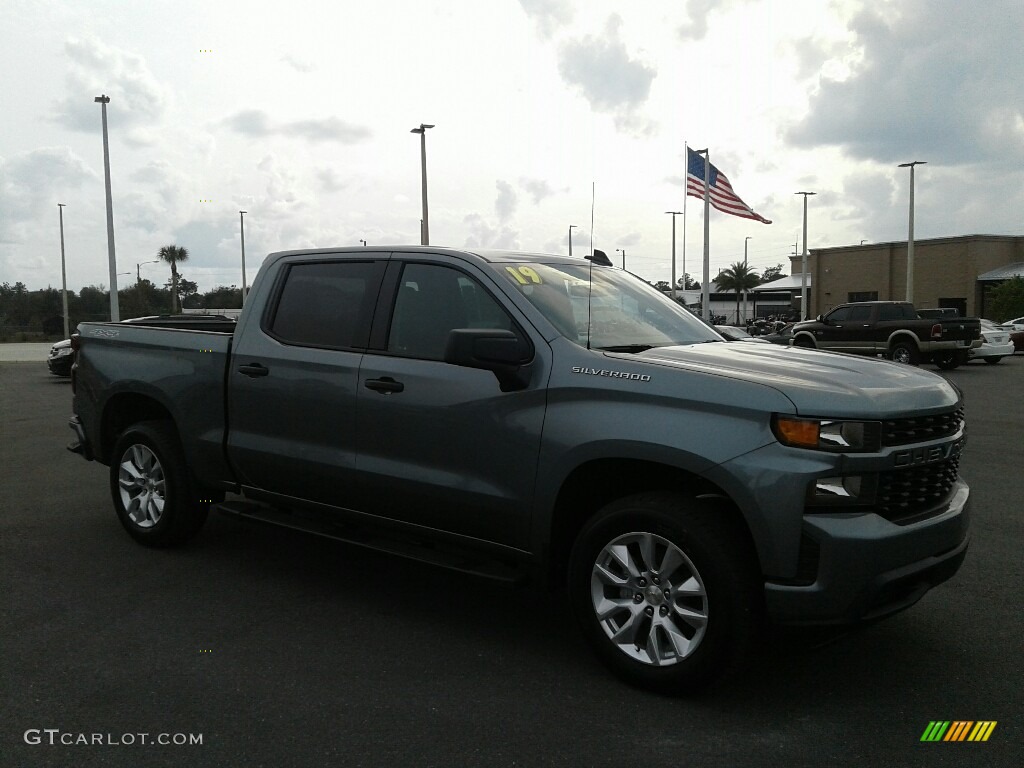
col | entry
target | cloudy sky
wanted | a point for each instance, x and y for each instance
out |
(299, 113)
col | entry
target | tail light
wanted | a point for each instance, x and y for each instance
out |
(937, 331)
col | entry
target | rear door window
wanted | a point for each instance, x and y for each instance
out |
(327, 304)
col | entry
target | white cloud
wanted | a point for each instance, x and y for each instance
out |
(548, 15)
(601, 69)
(96, 69)
(256, 123)
(933, 81)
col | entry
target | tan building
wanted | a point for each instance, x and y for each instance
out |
(948, 272)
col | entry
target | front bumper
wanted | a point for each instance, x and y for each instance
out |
(60, 366)
(868, 567)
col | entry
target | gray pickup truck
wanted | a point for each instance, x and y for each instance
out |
(893, 329)
(523, 416)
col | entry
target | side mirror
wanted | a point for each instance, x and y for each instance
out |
(502, 352)
(819, 318)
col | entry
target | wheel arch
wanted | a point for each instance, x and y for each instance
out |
(804, 339)
(598, 482)
(124, 409)
(903, 336)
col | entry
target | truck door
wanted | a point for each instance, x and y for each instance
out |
(441, 445)
(292, 384)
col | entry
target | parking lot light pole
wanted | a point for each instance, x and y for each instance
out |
(674, 214)
(424, 223)
(138, 272)
(623, 252)
(571, 228)
(115, 311)
(63, 274)
(241, 231)
(803, 276)
(910, 232)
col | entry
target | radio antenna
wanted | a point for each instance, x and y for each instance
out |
(590, 276)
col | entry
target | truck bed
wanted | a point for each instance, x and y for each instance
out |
(182, 370)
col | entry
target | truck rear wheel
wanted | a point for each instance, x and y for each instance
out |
(947, 361)
(152, 488)
(665, 591)
(905, 352)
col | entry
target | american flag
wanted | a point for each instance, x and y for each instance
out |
(720, 191)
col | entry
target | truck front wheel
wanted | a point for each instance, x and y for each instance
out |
(665, 592)
(152, 488)
(905, 352)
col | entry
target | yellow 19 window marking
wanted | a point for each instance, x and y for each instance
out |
(524, 275)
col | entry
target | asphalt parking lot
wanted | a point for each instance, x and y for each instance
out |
(278, 649)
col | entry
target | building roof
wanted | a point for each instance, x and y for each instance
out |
(790, 283)
(1004, 273)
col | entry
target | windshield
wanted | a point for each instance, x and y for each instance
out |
(625, 313)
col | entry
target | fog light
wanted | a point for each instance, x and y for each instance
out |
(847, 487)
(842, 490)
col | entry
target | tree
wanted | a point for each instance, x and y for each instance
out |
(223, 297)
(1008, 299)
(687, 283)
(172, 254)
(772, 273)
(739, 277)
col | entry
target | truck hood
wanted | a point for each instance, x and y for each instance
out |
(817, 383)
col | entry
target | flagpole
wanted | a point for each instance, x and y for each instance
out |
(686, 194)
(705, 293)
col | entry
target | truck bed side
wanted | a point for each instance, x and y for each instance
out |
(127, 371)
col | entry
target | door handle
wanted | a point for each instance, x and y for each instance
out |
(385, 385)
(253, 370)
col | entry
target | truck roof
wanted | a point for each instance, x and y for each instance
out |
(491, 255)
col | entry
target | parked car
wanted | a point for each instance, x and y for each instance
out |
(783, 336)
(461, 408)
(732, 333)
(1017, 339)
(61, 358)
(995, 343)
(893, 329)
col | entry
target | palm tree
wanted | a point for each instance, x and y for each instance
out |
(740, 278)
(172, 254)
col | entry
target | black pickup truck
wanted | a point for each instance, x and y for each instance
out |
(524, 415)
(894, 330)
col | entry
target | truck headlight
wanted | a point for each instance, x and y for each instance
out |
(831, 435)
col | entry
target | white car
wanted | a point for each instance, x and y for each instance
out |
(995, 343)
(1016, 324)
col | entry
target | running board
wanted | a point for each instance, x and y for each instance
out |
(453, 559)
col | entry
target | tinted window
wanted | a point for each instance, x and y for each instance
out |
(327, 304)
(861, 314)
(890, 312)
(432, 301)
(840, 315)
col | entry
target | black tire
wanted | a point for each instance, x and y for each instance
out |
(905, 352)
(947, 361)
(714, 604)
(992, 360)
(805, 342)
(152, 489)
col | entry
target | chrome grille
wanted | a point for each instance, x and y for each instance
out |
(919, 429)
